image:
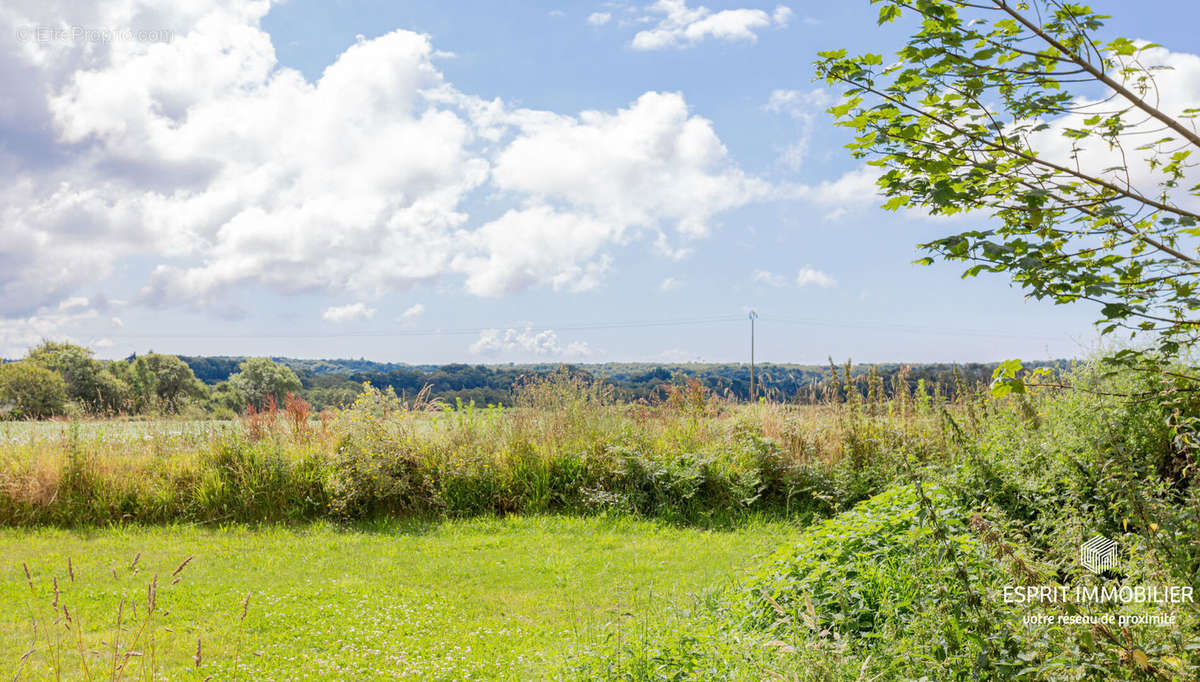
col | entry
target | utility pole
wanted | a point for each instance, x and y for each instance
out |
(753, 316)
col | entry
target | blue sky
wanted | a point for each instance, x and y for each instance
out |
(475, 182)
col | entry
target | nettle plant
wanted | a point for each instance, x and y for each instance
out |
(1018, 111)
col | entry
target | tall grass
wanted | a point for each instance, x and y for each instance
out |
(566, 446)
(131, 645)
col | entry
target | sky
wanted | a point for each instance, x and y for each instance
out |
(453, 181)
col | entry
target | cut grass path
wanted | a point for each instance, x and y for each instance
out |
(488, 598)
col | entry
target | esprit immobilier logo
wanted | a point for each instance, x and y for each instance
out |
(1098, 554)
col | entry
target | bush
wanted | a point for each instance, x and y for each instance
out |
(28, 391)
(899, 572)
(377, 468)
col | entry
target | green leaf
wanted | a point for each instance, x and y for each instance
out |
(1005, 379)
(1122, 46)
(844, 108)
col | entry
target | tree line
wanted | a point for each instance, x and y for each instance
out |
(62, 379)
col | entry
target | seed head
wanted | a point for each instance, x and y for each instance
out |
(183, 565)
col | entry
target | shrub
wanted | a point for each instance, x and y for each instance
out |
(377, 468)
(29, 391)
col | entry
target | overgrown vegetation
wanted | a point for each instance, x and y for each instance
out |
(1020, 111)
(910, 583)
(566, 446)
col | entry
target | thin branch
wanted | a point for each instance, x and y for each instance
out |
(1101, 76)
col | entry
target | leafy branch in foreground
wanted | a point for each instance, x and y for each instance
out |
(1019, 111)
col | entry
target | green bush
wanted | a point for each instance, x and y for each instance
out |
(29, 391)
(377, 467)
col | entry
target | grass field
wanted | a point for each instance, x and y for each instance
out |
(484, 598)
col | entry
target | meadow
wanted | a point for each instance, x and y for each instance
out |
(566, 446)
(573, 536)
(483, 598)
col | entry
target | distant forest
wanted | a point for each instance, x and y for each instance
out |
(330, 383)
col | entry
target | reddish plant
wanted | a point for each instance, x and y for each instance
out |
(259, 423)
(298, 411)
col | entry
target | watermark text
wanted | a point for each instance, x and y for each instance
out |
(91, 34)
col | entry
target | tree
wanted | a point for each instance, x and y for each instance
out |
(260, 381)
(163, 381)
(30, 391)
(89, 382)
(1019, 111)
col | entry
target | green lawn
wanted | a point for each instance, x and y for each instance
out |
(485, 598)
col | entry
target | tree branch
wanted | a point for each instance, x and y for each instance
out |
(1099, 74)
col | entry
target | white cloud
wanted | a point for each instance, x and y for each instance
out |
(769, 278)
(526, 341)
(803, 108)
(599, 18)
(807, 276)
(602, 163)
(810, 277)
(413, 312)
(583, 182)
(348, 313)
(538, 245)
(836, 214)
(189, 155)
(19, 334)
(682, 26)
(1176, 88)
(856, 187)
(670, 284)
